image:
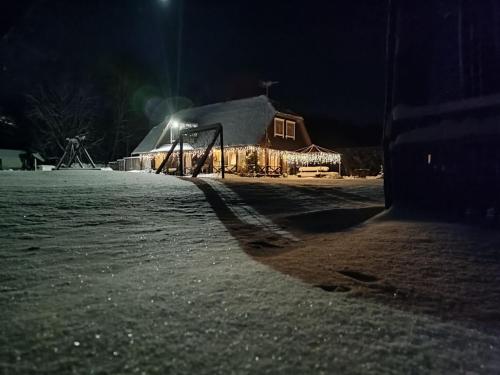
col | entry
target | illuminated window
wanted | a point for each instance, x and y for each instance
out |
(290, 129)
(279, 127)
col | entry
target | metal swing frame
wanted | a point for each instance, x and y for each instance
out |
(219, 133)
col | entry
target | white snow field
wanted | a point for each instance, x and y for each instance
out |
(132, 273)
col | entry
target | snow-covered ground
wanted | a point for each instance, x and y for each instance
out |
(109, 272)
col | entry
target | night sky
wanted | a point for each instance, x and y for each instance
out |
(328, 56)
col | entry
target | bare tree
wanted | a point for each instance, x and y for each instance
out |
(61, 112)
(120, 92)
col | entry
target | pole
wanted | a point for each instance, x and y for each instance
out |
(66, 150)
(180, 30)
(77, 156)
(267, 85)
(266, 153)
(460, 49)
(391, 64)
(164, 162)
(203, 158)
(88, 157)
(73, 153)
(222, 166)
(181, 154)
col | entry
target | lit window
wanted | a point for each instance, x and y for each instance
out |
(279, 127)
(290, 129)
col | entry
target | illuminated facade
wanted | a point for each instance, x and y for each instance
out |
(259, 139)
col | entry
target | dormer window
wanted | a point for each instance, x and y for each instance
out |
(279, 127)
(290, 129)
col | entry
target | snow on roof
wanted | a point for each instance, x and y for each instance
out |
(166, 147)
(11, 153)
(449, 129)
(37, 156)
(150, 140)
(244, 122)
(403, 112)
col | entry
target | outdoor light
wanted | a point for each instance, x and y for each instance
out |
(175, 124)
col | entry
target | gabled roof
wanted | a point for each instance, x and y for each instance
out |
(150, 141)
(282, 109)
(315, 149)
(244, 122)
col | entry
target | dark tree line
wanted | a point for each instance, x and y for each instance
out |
(61, 112)
(101, 107)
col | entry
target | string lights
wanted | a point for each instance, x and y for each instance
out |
(312, 158)
(302, 157)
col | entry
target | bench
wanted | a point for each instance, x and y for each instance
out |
(319, 171)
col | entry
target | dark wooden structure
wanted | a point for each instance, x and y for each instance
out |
(442, 132)
(75, 150)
